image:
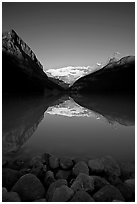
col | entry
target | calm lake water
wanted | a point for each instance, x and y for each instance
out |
(82, 126)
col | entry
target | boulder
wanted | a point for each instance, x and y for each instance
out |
(99, 182)
(111, 167)
(62, 174)
(53, 186)
(62, 194)
(83, 182)
(114, 180)
(127, 170)
(36, 161)
(126, 191)
(107, 194)
(131, 184)
(29, 188)
(9, 177)
(53, 162)
(66, 163)
(96, 166)
(80, 167)
(49, 178)
(82, 196)
(10, 197)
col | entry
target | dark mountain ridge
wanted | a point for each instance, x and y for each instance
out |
(21, 69)
(114, 77)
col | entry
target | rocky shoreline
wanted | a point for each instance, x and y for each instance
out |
(46, 178)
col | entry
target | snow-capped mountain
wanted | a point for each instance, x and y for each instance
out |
(70, 74)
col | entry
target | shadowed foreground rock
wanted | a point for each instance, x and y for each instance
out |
(83, 182)
(80, 167)
(101, 181)
(107, 194)
(29, 188)
(82, 196)
(11, 197)
(62, 194)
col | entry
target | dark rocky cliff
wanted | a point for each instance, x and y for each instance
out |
(116, 76)
(21, 70)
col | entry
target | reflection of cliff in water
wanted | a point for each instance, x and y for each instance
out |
(115, 108)
(22, 115)
(20, 118)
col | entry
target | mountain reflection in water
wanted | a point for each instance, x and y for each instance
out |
(36, 124)
(70, 108)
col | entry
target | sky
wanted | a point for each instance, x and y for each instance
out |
(76, 34)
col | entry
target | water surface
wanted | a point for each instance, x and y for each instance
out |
(82, 126)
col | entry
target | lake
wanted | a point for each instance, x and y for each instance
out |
(87, 126)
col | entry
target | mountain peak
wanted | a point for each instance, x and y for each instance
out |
(13, 44)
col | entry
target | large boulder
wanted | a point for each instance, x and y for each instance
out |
(10, 197)
(111, 167)
(80, 167)
(126, 191)
(131, 184)
(9, 177)
(53, 186)
(107, 194)
(83, 182)
(29, 188)
(62, 194)
(82, 196)
(99, 182)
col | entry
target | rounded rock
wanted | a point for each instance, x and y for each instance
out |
(53, 187)
(96, 166)
(82, 196)
(62, 174)
(80, 167)
(49, 178)
(126, 191)
(62, 194)
(99, 182)
(66, 163)
(111, 167)
(131, 184)
(11, 197)
(83, 182)
(29, 188)
(107, 194)
(127, 170)
(9, 177)
(53, 162)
